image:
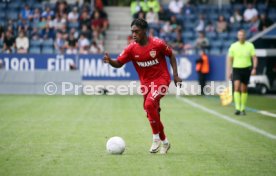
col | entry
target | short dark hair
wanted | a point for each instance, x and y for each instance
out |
(141, 23)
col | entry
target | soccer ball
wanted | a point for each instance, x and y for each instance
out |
(115, 145)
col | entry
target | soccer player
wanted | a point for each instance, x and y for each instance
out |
(240, 58)
(148, 57)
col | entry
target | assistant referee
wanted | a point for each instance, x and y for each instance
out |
(242, 63)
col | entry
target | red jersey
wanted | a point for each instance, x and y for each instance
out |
(149, 60)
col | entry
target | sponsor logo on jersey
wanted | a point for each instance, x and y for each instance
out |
(152, 54)
(148, 63)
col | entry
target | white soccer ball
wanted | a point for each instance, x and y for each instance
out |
(115, 145)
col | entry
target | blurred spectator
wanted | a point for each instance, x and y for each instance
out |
(154, 4)
(75, 32)
(103, 14)
(202, 42)
(26, 13)
(64, 32)
(165, 31)
(141, 15)
(86, 32)
(254, 26)
(12, 25)
(236, 17)
(47, 32)
(221, 24)
(95, 48)
(167, 28)
(71, 44)
(98, 24)
(85, 19)
(265, 22)
(50, 22)
(98, 38)
(188, 8)
(61, 7)
(23, 25)
(177, 44)
(73, 16)
(210, 27)
(250, 13)
(22, 43)
(35, 34)
(175, 6)
(152, 17)
(174, 23)
(162, 15)
(59, 22)
(36, 15)
(99, 4)
(136, 6)
(60, 43)
(48, 12)
(201, 24)
(42, 23)
(83, 44)
(9, 43)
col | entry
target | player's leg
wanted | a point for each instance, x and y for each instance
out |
(161, 127)
(244, 82)
(237, 96)
(237, 90)
(153, 116)
(155, 131)
(152, 108)
(243, 97)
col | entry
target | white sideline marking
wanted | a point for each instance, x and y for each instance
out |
(267, 113)
(229, 119)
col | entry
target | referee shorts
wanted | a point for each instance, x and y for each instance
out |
(242, 74)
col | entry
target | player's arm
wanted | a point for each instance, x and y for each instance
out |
(177, 80)
(113, 63)
(230, 63)
(255, 63)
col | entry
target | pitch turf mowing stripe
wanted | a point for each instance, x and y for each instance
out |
(242, 124)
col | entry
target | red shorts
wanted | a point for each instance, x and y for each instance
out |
(154, 91)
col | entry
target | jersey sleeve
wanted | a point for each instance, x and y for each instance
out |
(125, 55)
(230, 51)
(165, 48)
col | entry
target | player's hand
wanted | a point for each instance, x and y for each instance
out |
(177, 81)
(253, 72)
(106, 58)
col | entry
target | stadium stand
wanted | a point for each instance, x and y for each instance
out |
(42, 22)
(219, 24)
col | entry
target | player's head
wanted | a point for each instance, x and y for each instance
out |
(241, 35)
(139, 29)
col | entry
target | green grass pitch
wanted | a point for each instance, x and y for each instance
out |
(66, 135)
